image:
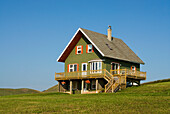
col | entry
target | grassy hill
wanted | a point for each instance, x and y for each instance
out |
(52, 89)
(4, 91)
(147, 98)
(157, 81)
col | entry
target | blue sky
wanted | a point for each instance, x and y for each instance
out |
(33, 33)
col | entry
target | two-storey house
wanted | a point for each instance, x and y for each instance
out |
(96, 62)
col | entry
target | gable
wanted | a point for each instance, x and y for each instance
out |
(84, 57)
(71, 45)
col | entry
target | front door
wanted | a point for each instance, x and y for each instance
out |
(115, 67)
(84, 68)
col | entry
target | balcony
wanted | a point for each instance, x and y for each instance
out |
(101, 74)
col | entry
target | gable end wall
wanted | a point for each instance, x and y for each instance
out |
(84, 57)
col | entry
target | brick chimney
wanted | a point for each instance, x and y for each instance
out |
(109, 33)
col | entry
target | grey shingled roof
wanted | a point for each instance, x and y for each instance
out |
(116, 49)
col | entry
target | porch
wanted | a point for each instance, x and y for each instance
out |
(113, 80)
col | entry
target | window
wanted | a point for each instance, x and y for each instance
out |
(84, 68)
(96, 66)
(72, 67)
(115, 67)
(89, 48)
(133, 68)
(79, 49)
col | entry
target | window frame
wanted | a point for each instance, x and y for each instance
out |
(133, 68)
(81, 49)
(96, 67)
(87, 48)
(73, 67)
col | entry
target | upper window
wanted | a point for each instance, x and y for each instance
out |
(79, 49)
(89, 48)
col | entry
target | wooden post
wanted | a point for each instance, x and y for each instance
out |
(70, 87)
(82, 86)
(96, 85)
(58, 86)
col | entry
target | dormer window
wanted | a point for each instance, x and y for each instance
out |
(89, 48)
(79, 49)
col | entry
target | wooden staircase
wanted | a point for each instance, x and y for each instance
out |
(113, 84)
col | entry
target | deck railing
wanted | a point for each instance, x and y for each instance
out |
(121, 73)
(129, 73)
(81, 74)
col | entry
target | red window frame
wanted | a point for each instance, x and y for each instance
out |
(87, 48)
(68, 67)
(81, 49)
(133, 66)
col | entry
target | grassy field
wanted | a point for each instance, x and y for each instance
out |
(148, 98)
(5, 91)
(52, 89)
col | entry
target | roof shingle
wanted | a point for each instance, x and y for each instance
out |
(116, 48)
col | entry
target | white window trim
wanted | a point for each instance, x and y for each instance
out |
(88, 48)
(73, 67)
(84, 72)
(97, 60)
(82, 66)
(99, 69)
(79, 49)
(134, 68)
(118, 68)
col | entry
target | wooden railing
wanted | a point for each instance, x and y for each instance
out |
(81, 74)
(115, 78)
(120, 73)
(115, 85)
(129, 73)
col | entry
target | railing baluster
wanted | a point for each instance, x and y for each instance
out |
(102, 72)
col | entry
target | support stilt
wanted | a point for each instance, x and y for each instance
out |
(70, 87)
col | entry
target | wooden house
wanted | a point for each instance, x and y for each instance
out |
(96, 62)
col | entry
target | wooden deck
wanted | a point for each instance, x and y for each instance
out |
(121, 73)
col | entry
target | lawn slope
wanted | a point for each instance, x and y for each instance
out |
(52, 89)
(148, 98)
(5, 91)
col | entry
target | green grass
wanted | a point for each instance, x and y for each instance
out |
(52, 89)
(5, 91)
(148, 98)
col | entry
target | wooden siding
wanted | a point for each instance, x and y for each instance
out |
(84, 57)
(123, 64)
